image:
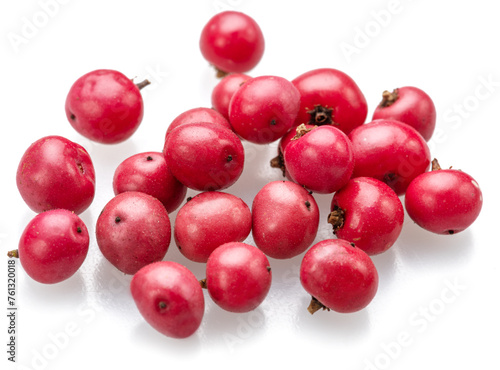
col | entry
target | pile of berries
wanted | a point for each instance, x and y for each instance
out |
(325, 147)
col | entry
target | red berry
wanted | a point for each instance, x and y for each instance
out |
(148, 173)
(169, 297)
(105, 106)
(368, 213)
(133, 230)
(330, 97)
(285, 219)
(339, 276)
(444, 201)
(209, 220)
(232, 42)
(264, 109)
(53, 246)
(321, 160)
(224, 91)
(409, 105)
(196, 115)
(390, 151)
(55, 172)
(238, 277)
(204, 156)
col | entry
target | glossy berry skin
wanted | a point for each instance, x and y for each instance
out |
(169, 297)
(389, 151)
(104, 106)
(204, 156)
(148, 173)
(201, 114)
(238, 277)
(368, 213)
(341, 277)
(209, 220)
(53, 246)
(232, 42)
(55, 172)
(322, 160)
(264, 108)
(224, 91)
(285, 219)
(133, 230)
(444, 201)
(409, 105)
(329, 96)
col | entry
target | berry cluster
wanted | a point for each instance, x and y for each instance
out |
(325, 147)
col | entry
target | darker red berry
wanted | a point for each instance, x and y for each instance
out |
(238, 277)
(444, 201)
(209, 220)
(368, 213)
(53, 246)
(148, 173)
(55, 172)
(169, 297)
(390, 151)
(264, 109)
(204, 156)
(339, 276)
(224, 91)
(330, 97)
(105, 106)
(232, 42)
(409, 105)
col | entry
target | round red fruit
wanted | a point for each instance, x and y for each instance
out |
(339, 276)
(321, 159)
(264, 109)
(148, 173)
(409, 105)
(390, 151)
(232, 42)
(169, 297)
(55, 172)
(368, 213)
(224, 91)
(238, 277)
(330, 97)
(204, 156)
(285, 219)
(105, 106)
(209, 220)
(53, 246)
(195, 115)
(133, 230)
(444, 201)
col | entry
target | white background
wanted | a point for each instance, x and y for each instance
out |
(438, 295)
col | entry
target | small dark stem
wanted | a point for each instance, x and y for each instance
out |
(316, 305)
(321, 116)
(203, 283)
(301, 131)
(435, 165)
(389, 98)
(13, 254)
(142, 84)
(278, 162)
(336, 218)
(220, 73)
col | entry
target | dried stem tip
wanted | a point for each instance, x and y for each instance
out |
(142, 84)
(301, 131)
(316, 305)
(13, 254)
(389, 98)
(203, 283)
(336, 218)
(435, 165)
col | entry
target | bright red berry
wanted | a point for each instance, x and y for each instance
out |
(368, 213)
(169, 297)
(409, 105)
(224, 91)
(148, 173)
(105, 106)
(232, 42)
(339, 276)
(330, 97)
(444, 201)
(204, 156)
(390, 151)
(196, 115)
(53, 246)
(321, 159)
(285, 219)
(238, 277)
(264, 108)
(133, 230)
(209, 220)
(55, 172)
